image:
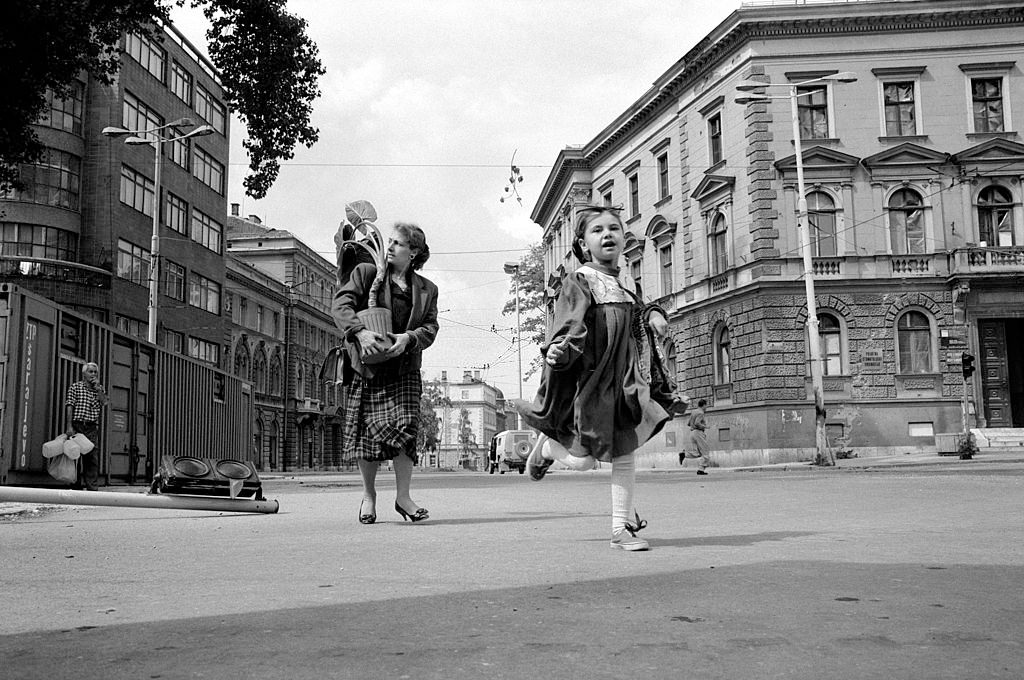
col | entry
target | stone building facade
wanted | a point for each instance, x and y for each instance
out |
(912, 176)
(285, 291)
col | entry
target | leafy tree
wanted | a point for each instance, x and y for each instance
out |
(467, 440)
(268, 66)
(532, 301)
(429, 436)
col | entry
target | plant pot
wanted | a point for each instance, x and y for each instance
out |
(377, 320)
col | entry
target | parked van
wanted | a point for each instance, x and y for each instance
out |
(509, 450)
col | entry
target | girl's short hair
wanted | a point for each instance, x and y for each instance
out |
(584, 216)
(418, 240)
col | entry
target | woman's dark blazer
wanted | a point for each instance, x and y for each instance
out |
(422, 327)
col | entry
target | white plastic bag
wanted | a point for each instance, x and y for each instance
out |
(55, 446)
(72, 449)
(63, 469)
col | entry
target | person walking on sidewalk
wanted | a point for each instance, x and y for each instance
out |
(698, 423)
(594, 402)
(83, 406)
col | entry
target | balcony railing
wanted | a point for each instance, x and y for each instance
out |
(988, 260)
(826, 267)
(911, 265)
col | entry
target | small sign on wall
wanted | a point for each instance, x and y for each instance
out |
(871, 357)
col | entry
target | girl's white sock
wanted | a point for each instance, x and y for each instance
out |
(623, 481)
(554, 450)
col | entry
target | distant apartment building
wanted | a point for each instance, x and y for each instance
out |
(280, 299)
(913, 185)
(80, 232)
(471, 413)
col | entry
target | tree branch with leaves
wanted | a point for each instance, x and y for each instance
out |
(532, 302)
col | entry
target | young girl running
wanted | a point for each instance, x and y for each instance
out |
(593, 402)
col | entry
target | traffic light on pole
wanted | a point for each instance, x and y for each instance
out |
(968, 364)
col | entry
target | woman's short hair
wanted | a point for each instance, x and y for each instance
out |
(418, 240)
(584, 216)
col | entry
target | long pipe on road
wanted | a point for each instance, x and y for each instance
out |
(18, 494)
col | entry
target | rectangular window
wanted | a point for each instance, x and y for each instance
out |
(174, 341)
(132, 263)
(204, 293)
(259, 318)
(276, 318)
(33, 240)
(665, 254)
(210, 109)
(173, 275)
(148, 53)
(64, 114)
(206, 230)
(208, 170)
(634, 195)
(176, 214)
(204, 350)
(181, 83)
(135, 115)
(663, 184)
(715, 139)
(607, 198)
(900, 109)
(181, 152)
(136, 191)
(130, 326)
(987, 102)
(636, 273)
(812, 111)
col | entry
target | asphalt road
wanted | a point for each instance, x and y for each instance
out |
(799, 573)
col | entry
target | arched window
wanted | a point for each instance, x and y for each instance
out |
(906, 222)
(275, 375)
(719, 246)
(723, 353)
(821, 222)
(830, 332)
(242, 361)
(995, 216)
(259, 371)
(914, 343)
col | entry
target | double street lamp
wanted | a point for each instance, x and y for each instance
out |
(152, 136)
(512, 268)
(823, 455)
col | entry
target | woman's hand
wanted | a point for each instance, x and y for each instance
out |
(369, 342)
(400, 342)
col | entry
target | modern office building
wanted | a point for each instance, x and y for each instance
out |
(912, 177)
(80, 233)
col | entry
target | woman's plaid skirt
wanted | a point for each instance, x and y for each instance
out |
(382, 416)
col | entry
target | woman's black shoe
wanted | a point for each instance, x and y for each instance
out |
(367, 518)
(417, 516)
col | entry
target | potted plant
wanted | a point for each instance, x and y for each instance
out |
(358, 231)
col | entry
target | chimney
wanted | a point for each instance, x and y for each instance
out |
(235, 209)
(444, 376)
(255, 219)
(476, 376)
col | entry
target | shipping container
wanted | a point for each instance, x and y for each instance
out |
(161, 403)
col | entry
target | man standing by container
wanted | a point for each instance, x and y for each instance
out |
(83, 406)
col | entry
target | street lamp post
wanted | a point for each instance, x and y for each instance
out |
(823, 454)
(150, 136)
(513, 269)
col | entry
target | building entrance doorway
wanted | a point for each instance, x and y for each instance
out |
(1002, 371)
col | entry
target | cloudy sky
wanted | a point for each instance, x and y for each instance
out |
(422, 107)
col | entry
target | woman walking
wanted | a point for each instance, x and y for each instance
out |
(381, 401)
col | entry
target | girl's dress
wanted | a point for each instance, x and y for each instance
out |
(596, 401)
